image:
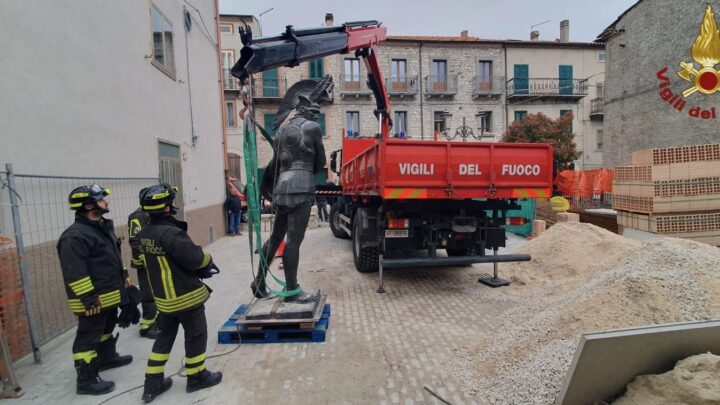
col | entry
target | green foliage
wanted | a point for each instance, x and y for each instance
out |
(539, 128)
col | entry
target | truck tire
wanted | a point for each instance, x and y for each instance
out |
(366, 258)
(335, 223)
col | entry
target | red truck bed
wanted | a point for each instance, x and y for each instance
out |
(403, 169)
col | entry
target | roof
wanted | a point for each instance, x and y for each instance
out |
(610, 31)
(508, 42)
(237, 16)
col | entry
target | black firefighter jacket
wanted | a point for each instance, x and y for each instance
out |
(172, 261)
(136, 221)
(91, 264)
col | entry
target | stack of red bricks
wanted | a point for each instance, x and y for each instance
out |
(671, 191)
(13, 319)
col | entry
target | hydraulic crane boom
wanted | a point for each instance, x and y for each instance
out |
(296, 46)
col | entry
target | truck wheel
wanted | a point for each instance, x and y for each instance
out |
(366, 258)
(335, 223)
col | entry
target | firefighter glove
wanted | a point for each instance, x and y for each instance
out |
(92, 305)
(129, 313)
(208, 271)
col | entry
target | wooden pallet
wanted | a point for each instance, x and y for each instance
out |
(681, 154)
(285, 331)
(649, 205)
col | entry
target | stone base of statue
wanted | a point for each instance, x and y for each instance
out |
(277, 311)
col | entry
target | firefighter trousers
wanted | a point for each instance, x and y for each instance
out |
(91, 331)
(195, 325)
(149, 311)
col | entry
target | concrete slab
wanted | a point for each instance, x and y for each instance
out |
(379, 348)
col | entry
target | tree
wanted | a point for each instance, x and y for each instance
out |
(539, 128)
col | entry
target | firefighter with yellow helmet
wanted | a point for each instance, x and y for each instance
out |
(175, 266)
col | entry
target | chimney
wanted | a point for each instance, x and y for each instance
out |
(565, 31)
(329, 19)
(535, 36)
(464, 34)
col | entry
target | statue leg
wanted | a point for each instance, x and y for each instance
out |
(280, 227)
(297, 224)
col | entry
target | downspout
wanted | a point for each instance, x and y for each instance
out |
(422, 96)
(507, 122)
(222, 91)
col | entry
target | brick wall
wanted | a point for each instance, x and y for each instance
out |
(13, 319)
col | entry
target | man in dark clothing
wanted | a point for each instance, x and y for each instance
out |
(95, 282)
(299, 154)
(136, 221)
(233, 208)
(175, 266)
(322, 210)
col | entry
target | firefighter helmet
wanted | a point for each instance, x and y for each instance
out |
(156, 198)
(87, 195)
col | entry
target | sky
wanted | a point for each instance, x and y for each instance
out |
(488, 19)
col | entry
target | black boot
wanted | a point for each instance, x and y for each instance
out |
(259, 289)
(203, 379)
(154, 386)
(109, 358)
(151, 333)
(88, 380)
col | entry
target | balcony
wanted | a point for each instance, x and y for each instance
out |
(264, 88)
(403, 86)
(441, 86)
(597, 108)
(482, 87)
(353, 85)
(558, 90)
(229, 81)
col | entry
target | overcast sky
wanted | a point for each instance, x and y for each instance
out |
(490, 19)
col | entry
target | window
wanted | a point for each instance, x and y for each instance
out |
(599, 140)
(439, 75)
(269, 124)
(352, 74)
(271, 83)
(484, 122)
(521, 81)
(520, 115)
(316, 69)
(439, 121)
(562, 114)
(226, 28)
(400, 124)
(600, 89)
(565, 75)
(398, 70)
(321, 122)
(484, 75)
(170, 170)
(601, 57)
(352, 123)
(228, 59)
(230, 114)
(162, 37)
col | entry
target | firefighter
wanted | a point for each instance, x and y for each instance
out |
(95, 281)
(175, 266)
(136, 221)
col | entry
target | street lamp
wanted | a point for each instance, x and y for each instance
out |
(261, 15)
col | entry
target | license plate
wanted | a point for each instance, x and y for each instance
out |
(397, 233)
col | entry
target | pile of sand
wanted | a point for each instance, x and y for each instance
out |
(597, 281)
(694, 380)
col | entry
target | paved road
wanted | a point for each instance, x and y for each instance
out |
(380, 348)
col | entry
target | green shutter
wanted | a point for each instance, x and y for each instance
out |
(519, 115)
(316, 69)
(269, 122)
(565, 75)
(271, 86)
(521, 80)
(562, 113)
(321, 122)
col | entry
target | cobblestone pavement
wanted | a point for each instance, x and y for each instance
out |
(380, 348)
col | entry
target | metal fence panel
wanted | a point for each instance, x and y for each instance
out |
(44, 215)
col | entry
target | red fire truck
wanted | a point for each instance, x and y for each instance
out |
(397, 194)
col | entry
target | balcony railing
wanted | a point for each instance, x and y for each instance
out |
(441, 85)
(264, 87)
(484, 86)
(547, 87)
(407, 85)
(354, 84)
(229, 81)
(597, 107)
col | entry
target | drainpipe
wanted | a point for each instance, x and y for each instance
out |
(507, 122)
(422, 96)
(222, 91)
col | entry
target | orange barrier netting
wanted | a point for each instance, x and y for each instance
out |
(584, 183)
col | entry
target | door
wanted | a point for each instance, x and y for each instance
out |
(235, 164)
(271, 86)
(565, 73)
(171, 171)
(521, 80)
(398, 74)
(228, 59)
(484, 75)
(439, 75)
